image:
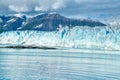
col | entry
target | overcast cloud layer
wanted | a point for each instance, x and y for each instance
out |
(67, 7)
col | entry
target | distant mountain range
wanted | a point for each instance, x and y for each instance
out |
(43, 22)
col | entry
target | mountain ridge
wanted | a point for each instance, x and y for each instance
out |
(43, 22)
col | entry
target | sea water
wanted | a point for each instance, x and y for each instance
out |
(73, 64)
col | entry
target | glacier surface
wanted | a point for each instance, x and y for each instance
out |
(78, 37)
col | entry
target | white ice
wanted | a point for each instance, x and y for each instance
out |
(77, 37)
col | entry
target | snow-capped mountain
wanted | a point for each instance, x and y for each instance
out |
(11, 23)
(42, 22)
(113, 22)
(54, 30)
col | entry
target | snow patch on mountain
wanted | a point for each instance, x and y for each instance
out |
(11, 20)
(39, 26)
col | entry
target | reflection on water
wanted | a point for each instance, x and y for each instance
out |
(16, 64)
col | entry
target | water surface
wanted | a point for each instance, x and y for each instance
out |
(35, 64)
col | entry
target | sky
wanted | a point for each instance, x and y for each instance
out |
(72, 8)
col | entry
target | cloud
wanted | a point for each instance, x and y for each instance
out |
(68, 7)
(18, 9)
(49, 5)
(15, 5)
(32, 5)
(58, 5)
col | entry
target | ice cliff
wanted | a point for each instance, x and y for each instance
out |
(77, 37)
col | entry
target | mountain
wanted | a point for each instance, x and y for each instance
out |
(43, 22)
(40, 31)
(11, 23)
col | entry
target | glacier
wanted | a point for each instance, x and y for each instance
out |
(102, 38)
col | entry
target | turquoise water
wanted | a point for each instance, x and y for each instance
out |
(34, 64)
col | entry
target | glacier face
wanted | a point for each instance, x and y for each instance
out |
(77, 37)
